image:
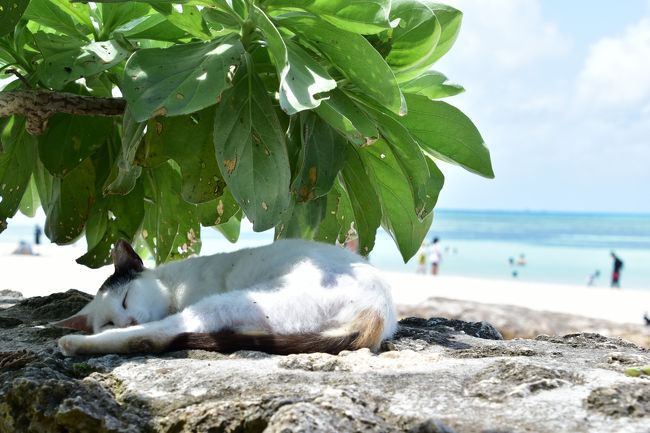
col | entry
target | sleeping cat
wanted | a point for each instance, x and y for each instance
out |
(290, 296)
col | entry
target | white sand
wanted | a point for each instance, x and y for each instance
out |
(55, 270)
(622, 306)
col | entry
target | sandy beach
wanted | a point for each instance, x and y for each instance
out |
(54, 270)
(616, 305)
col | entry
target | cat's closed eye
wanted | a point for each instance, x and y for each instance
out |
(124, 300)
(109, 323)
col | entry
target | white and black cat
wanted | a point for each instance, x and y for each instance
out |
(291, 296)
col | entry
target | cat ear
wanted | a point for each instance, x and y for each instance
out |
(78, 322)
(125, 258)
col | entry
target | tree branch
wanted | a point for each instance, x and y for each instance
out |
(38, 105)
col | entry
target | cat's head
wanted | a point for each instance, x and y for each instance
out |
(128, 297)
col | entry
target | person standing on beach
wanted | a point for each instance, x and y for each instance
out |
(616, 271)
(435, 256)
(37, 234)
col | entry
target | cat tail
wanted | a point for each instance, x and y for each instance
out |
(365, 331)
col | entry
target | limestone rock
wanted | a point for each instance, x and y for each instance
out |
(435, 376)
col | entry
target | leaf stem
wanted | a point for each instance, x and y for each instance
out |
(247, 31)
(20, 60)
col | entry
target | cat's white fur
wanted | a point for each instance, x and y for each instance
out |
(290, 287)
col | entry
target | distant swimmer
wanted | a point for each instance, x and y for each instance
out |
(591, 281)
(521, 261)
(616, 270)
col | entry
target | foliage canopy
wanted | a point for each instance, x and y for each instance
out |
(319, 118)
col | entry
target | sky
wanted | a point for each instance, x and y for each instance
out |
(560, 91)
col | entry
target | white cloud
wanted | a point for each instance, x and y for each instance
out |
(617, 70)
(505, 34)
(551, 147)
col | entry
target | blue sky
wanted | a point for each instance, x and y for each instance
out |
(560, 91)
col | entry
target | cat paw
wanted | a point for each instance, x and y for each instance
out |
(70, 345)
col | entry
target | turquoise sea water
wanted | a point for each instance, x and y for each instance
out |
(558, 247)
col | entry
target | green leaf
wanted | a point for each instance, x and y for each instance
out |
(301, 77)
(167, 138)
(363, 202)
(393, 191)
(358, 16)
(433, 85)
(125, 172)
(446, 133)
(44, 184)
(219, 18)
(16, 165)
(180, 79)
(323, 156)
(65, 59)
(218, 211)
(240, 7)
(79, 11)
(61, 15)
(59, 53)
(170, 227)
(112, 218)
(330, 226)
(113, 15)
(69, 204)
(168, 3)
(30, 201)
(353, 56)
(100, 85)
(450, 20)
(414, 39)
(70, 139)
(293, 139)
(414, 49)
(4, 121)
(10, 13)
(231, 228)
(303, 220)
(251, 150)
(423, 184)
(151, 27)
(341, 113)
(189, 19)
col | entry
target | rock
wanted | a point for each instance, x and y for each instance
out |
(518, 322)
(9, 298)
(44, 309)
(506, 379)
(476, 329)
(621, 400)
(435, 376)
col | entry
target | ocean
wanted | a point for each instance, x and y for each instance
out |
(564, 248)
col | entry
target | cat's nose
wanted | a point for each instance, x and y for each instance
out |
(132, 322)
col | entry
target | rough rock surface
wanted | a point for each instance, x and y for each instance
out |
(9, 298)
(519, 322)
(436, 375)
